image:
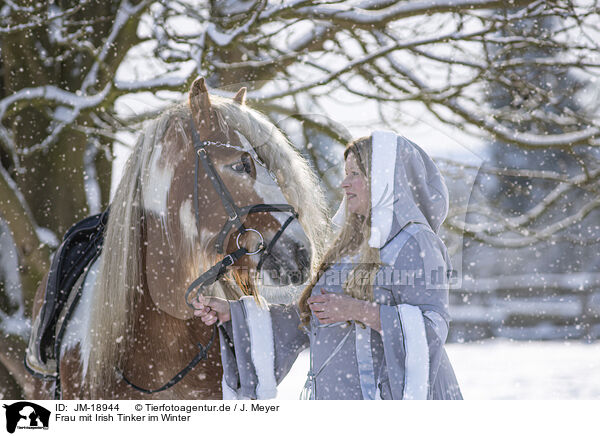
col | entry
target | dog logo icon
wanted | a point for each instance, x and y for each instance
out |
(26, 415)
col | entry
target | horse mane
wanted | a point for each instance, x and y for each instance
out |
(119, 278)
(118, 285)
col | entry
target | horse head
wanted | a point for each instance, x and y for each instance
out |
(192, 212)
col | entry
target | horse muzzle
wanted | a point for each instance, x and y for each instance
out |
(288, 263)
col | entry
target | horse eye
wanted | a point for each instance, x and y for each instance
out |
(244, 165)
(247, 161)
(237, 167)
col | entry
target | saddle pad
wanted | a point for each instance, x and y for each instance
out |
(81, 245)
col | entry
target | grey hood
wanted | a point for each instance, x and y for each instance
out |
(406, 186)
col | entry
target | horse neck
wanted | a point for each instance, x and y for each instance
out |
(162, 332)
(162, 345)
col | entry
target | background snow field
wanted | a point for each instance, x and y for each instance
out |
(501, 369)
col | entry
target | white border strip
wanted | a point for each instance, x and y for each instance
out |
(416, 366)
(383, 166)
(262, 347)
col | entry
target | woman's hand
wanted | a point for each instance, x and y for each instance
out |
(211, 309)
(332, 307)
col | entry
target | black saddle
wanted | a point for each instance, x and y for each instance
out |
(81, 245)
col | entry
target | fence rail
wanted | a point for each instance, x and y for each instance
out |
(532, 306)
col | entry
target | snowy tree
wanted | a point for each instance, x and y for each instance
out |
(534, 210)
(66, 65)
(58, 61)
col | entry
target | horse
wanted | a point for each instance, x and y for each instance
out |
(133, 328)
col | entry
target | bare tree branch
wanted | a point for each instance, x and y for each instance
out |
(344, 15)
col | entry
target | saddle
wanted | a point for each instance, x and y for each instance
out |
(80, 247)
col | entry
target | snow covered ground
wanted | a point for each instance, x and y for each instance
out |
(501, 369)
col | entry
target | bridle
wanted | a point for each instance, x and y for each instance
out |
(235, 214)
(234, 218)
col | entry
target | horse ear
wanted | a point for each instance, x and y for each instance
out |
(240, 97)
(200, 103)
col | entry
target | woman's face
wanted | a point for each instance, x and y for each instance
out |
(355, 187)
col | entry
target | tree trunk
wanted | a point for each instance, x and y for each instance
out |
(46, 188)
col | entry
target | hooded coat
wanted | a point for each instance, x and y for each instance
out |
(409, 202)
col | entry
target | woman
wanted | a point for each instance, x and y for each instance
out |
(375, 314)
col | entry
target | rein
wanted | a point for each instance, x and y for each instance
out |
(181, 374)
(218, 270)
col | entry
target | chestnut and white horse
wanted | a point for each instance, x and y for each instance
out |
(132, 321)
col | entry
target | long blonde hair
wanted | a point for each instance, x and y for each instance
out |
(352, 239)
